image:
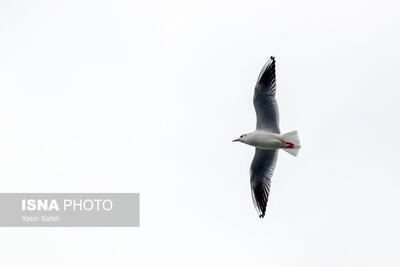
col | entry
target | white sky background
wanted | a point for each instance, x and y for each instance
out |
(124, 96)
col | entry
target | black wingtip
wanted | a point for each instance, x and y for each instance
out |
(272, 58)
(261, 216)
(270, 63)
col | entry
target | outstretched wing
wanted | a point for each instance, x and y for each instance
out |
(261, 171)
(264, 99)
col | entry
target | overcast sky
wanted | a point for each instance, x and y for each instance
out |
(129, 96)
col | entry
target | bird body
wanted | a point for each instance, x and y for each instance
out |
(263, 140)
(271, 141)
(267, 138)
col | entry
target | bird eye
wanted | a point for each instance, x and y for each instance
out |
(241, 135)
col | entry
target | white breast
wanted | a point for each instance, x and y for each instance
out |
(264, 140)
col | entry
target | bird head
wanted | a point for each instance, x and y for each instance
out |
(241, 138)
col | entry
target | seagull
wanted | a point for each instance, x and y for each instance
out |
(267, 138)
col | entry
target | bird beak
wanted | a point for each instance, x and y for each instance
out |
(235, 140)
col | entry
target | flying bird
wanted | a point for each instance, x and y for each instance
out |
(267, 138)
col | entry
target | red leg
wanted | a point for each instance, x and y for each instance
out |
(288, 145)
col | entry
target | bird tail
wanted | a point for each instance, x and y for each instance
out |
(293, 139)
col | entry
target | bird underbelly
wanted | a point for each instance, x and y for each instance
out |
(267, 141)
(269, 144)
